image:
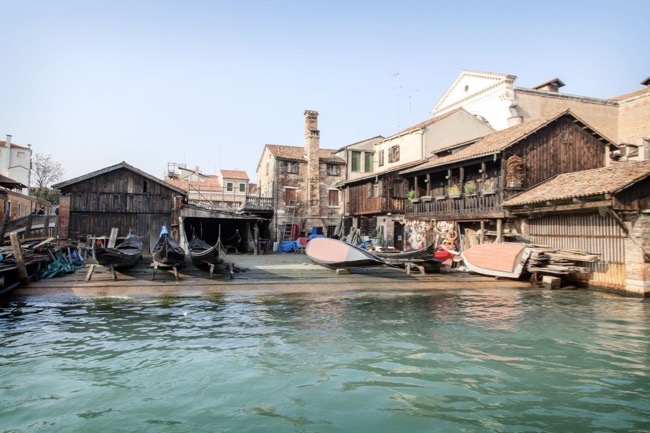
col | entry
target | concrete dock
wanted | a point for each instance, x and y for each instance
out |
(259, 274)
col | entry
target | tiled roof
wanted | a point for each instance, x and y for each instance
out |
(4, 143)
(606, 180)
(495, 142)
(380, 173)
(121, 165)
(7, 182)
(211, 183)
(234, 174)
(632, 94)
(297, 153)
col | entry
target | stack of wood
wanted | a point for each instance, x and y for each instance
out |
(547, 260)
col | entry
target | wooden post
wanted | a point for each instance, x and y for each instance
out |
(46, 226)
(28, 226)
(3, 227)
(481, 237)
(18, 258)
(113, 238)
(499, 230)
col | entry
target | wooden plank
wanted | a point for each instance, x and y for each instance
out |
(18, 258)
(113, 238)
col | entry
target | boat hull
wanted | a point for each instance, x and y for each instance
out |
(499, 260)
(203, 254)
(127, 254)
(337, 254)
(168, 252)
(424, 254)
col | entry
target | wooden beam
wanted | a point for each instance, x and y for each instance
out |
(18, 258)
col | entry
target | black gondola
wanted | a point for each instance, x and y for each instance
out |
(124, 255)
(167, 251)
(202, 253)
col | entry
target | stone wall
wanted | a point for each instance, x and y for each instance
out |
(637, 264)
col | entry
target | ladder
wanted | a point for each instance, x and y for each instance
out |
(287, 233)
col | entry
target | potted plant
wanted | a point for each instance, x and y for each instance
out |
(515, 171)
(453, 190)
(489, 186)
(470, 187)
(412, 195)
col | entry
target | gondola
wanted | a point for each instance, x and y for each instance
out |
(424, 257)
(202, 253)
(124, 255)
(424, 253)
(167, 251)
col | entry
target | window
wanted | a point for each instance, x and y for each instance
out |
(333, 199)
(393, 154)
(267, 168)
(333, 170)
(290, 196)
(20, 155)
(381, 158)
(292, 167)
(242, 187)
(368, 165)
(355, 162)
(229, 186)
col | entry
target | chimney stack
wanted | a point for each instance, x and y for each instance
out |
(8, 141)
(312, 145)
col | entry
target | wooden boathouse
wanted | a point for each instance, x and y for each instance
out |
(120, 196)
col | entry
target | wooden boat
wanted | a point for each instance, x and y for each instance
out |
(424, 257)
(424, 253)
(167, 251)
(126, 254)
(202, 253)
(499, 260)
(334, 253)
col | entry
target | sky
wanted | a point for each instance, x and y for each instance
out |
(208, 83)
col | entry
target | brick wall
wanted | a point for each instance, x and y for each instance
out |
(64, 217)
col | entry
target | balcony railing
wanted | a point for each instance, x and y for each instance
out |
(377, 205)
(463, 204)
(258, 202)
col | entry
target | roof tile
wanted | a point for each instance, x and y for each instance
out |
(605, 180)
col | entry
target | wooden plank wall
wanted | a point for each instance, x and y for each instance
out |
(590, 232)
(563, 148)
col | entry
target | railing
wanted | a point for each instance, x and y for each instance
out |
(377, 205)
(463, 204)
(258, 202)
(32, 225)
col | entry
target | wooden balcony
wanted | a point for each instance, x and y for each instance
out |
(458, 207)
(377, 205)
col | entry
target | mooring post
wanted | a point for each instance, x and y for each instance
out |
(18, 258)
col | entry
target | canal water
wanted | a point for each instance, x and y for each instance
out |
(444, 361)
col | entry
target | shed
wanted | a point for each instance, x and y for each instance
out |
(120, 196)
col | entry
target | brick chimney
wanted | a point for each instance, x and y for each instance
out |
(551, 86)
(312, 145)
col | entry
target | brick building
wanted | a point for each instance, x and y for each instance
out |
(302, 182)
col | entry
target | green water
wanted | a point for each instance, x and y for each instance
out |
(448, 361)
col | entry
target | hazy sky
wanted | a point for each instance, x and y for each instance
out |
(209, 83)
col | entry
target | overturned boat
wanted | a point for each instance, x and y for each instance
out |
(334, 253)
(497, 259)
